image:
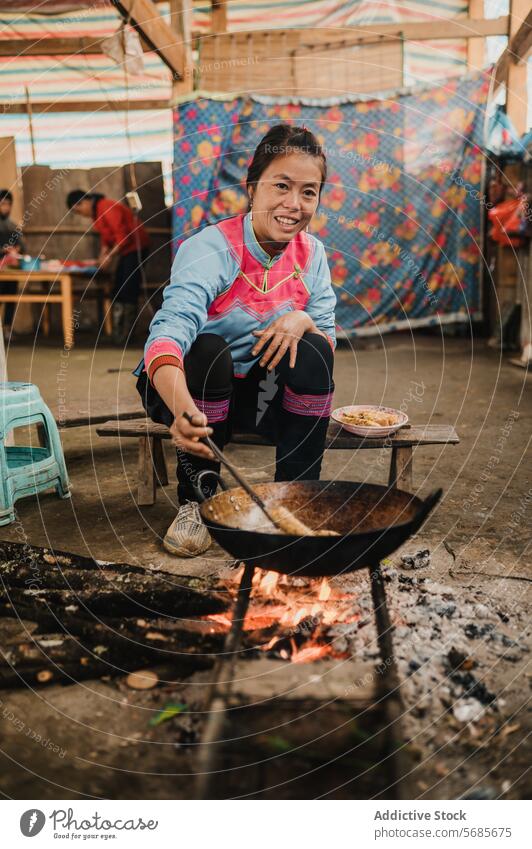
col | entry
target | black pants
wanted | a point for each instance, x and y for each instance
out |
(291, 406)
(128, 277)
(9, 287)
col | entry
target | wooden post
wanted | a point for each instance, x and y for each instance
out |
(30, 121)
(476, 47)
(219, 16)
(180, 21)
(516, 78)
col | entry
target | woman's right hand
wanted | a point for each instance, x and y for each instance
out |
(186, 436)
(170, 383)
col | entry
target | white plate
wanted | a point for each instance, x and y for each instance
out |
(371, 432)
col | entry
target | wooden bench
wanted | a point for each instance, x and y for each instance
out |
(152, 470)
(92, 411)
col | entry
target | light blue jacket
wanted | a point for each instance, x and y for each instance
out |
(204, 269)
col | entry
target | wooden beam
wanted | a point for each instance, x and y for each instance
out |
(516, 80)
(181, 20)
(512, 70)
(413, 31)
(459, 28)
(8, 108)
(219, 16)
(476, 47)
(516, 52)
(158, 35)
(521, 43)
(52, 46)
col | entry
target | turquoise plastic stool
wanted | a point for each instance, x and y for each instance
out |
(27, 470)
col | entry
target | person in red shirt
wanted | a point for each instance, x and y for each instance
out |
(122, 236)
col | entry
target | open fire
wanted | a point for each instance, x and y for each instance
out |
(290, 618)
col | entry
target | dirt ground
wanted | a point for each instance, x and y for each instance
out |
(479, 539)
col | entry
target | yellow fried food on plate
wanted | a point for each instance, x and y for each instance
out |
(370, 418)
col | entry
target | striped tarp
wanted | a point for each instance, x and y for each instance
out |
(104, 140)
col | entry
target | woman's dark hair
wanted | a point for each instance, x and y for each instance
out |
(5, 194)
(282, 139)
(76, 195)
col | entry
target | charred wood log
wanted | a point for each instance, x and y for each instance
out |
(150, 597)
(34, 578)
(34, 556)
(49, 658)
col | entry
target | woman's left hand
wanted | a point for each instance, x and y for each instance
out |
(284, 333)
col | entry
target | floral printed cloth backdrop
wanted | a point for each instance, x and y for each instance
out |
(400, 214)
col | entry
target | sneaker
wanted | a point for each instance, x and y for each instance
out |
(187, 536)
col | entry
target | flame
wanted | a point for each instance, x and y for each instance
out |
(302, 613)
(221, 618)
(310, 653)
(263, 616)
(270, 644)
(290, 621)
(325, 591)
(269, 583)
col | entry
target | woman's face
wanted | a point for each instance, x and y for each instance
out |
(83, 207)
(285, 198)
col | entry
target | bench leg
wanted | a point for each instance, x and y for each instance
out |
(401, 469)
(159, 462)
(146, 472)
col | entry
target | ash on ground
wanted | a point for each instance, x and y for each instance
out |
(449, 643)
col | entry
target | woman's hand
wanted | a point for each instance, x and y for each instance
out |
(105, 258)
(284, 333)
(186, 436)
(170, 383)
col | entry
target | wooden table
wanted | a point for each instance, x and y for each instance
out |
(49, 280)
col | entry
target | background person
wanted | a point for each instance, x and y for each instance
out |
(11, 246)
(122, 236)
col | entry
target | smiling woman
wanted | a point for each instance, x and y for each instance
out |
(246, 332)
(284, 182)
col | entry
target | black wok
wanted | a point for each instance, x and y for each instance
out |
(372, 521)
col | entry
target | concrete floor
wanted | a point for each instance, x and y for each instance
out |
(483, 519)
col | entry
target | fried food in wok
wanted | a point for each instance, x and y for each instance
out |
(290, 524)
